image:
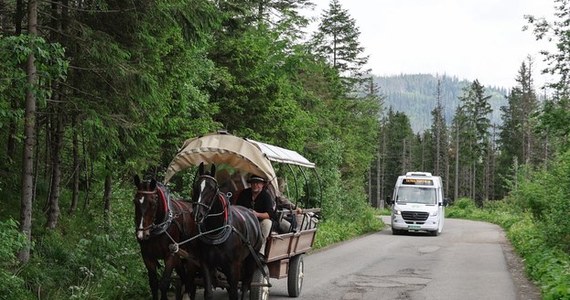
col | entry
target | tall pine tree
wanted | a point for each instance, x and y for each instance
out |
(336, 40)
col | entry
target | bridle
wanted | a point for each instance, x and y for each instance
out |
(156, 229)
(207, 208)
(219, 234)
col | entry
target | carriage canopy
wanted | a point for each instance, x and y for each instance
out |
(241, 153)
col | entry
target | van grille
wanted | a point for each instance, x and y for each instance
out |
(415, 215)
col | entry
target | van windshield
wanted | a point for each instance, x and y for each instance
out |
(416, 195)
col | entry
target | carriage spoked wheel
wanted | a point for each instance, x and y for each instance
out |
(260, 285)
(295, 275)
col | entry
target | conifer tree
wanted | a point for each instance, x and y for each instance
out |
(336, 40)
(475, 105)
(399, 138)
(555, 117)
(439, 132)
(518, 141)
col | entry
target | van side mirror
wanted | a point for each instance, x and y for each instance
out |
(389, 200)
(446, 201)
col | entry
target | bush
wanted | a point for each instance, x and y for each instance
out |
(13, 286)
(545, 194)
(550, 267)
(461, 208)
(333, 230)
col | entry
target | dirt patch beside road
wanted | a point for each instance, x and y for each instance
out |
(526, 289)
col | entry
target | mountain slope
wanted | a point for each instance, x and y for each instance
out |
(415, 95)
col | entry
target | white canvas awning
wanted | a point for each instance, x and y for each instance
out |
(246, 155)
(282, 155)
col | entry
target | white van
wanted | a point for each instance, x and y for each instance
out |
(418, 204)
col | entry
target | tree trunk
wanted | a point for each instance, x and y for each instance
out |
(11, 143)
(12, 127)
(20, 16)
(107, 194)
(76, 168)
(456, 179)
(29, 140)
(88, 165)
(370, 198)
(53, 205)
(379, 185)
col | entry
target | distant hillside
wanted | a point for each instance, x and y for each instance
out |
(415, 95)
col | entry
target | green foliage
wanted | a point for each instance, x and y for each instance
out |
(13, 284)
(546, 265)
(51, 67)
(545, 194)
(461, 208)
(555, 119)
(88, 258)
(334, 230)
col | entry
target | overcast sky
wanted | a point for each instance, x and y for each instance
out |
(470, 39)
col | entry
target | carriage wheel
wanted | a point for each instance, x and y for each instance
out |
(260, 285)
(295, 275)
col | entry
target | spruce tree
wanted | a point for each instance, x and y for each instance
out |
(336, 40)
(439, 132)
(555, 118)
(475, 105)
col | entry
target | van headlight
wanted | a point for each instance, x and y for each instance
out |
(397, 212)
(434, 213)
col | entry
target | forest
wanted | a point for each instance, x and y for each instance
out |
(95, 92)
(415, 95)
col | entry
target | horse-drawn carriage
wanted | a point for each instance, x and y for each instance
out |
(224, 241)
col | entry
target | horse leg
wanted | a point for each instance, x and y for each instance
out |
(249, 267)
(169, 263)
(151, 266)
(181, 271)
(192, 267)
(187, 272)
(207, 281)
(233, 276)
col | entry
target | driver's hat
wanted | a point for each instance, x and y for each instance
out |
(255, 178)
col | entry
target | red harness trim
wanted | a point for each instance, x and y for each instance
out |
(163, 198)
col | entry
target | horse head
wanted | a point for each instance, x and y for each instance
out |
(151, 207)
(205, 193)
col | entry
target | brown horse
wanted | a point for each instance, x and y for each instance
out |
(230, 236)
(161, 225)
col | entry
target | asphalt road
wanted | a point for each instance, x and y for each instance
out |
(469, 260)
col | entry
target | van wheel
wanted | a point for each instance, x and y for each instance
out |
(434, 233)
(397, 231)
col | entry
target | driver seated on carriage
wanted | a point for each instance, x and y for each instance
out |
(257, 198)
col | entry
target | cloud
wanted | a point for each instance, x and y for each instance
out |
(470, 39)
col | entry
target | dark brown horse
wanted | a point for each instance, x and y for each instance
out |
(230, 235)
(161, 225)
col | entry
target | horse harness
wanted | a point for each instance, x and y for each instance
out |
(218, 235)
(211, 238)
(169, 216)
